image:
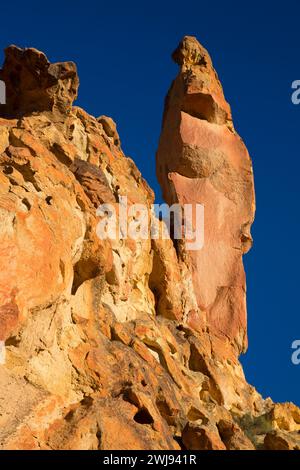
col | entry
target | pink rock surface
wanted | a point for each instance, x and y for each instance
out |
(202, 160)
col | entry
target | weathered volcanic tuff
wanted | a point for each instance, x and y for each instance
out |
(123, 344)
(201, 159)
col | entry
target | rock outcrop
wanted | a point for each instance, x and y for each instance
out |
(201, 159)
(123, 343)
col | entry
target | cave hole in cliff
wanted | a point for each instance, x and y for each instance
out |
(84, 269)
(87, 401)
(156, 293)
(8, 170)
(99, 438)
(202, 106)
(194, 415)
(26, 203)
(197, 362)
(226, 432)
(143, 417)
(13, 341)
(27, 173)
(70, 415)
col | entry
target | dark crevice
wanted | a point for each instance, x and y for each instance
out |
(178, 439)
(61, 155)
(13, 341)
(26, 203)
(203, 106)
(8, 170)
(27, 173)
(194, 415)
(69, 416)
(87, 401)
(165, 411)
(143, 417)
(99, 438)
(84, 269)
(197, 363)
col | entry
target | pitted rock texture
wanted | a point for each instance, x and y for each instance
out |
(33, 84)
(104, 346)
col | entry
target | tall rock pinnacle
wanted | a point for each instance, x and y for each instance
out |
(201, 159)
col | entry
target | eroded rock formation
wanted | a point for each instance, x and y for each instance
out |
(123, 344)
(201, 159)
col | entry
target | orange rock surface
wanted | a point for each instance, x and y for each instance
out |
(201, 159)
(124, 344)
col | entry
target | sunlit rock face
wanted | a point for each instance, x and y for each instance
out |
(201, 159)
(110, 343)
(34, 84)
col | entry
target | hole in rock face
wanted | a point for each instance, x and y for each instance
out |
(194, 415)
(202, 106)
(197, 362)
(84, 269)
(49, 200)
(62, 269)
(8, 170)
(13, 341)
(28, 174)
(99, 438)
(69, 415)
(26, 203)
(143, 417)
(87, 401)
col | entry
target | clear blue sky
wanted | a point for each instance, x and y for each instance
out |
(122, 50)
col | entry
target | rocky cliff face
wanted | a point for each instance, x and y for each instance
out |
(125, 343)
